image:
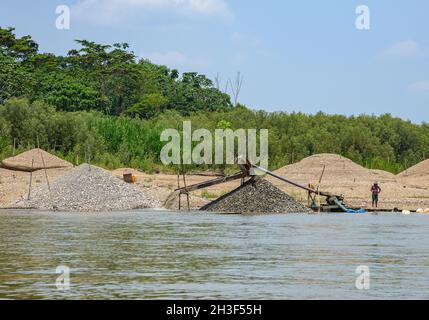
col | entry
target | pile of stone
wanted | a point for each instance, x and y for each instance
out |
(89, 189)
(256, 196)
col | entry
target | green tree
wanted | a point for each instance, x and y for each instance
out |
(149, 106)
(14, 80)
(20, 49)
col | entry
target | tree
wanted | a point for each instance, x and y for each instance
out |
(14, 80)
(236, 87)
(149, 107)
(101, 77)
(5, 138)
(20, 49)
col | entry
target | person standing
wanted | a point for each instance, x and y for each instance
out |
(375, 190)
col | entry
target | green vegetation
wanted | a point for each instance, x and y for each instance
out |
(101, 104)
(209, 195)
(376, 142)
(109, 79)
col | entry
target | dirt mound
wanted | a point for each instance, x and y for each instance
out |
(88, 188)
(257, 196)
(42, 160)
(310, 169)
(344, 177)
(416, 176)
(338, 170)
(419, 170)
(380, 175)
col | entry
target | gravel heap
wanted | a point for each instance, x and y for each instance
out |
(89, 189)
(256, 196)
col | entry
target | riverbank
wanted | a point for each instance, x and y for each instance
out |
(341, 176)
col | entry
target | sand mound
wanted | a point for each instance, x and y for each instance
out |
(23, 161)
(257, 196)
(88, 188)
(419, 170)
(311, 168)
(344, 177)
(338, 169)
(381, 175)
(416, 176)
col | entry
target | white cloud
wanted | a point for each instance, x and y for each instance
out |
(111, 11)
(404, 49)
(175, 59)
(419, 87)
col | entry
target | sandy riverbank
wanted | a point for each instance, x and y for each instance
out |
(343, 176)
(409, 190)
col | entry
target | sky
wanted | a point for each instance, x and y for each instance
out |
(294, 55)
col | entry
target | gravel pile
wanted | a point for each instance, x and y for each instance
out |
(88, 189)
(257, 196)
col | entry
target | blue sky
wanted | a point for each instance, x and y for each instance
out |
(295, 55)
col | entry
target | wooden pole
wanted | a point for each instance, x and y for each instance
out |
(187, 192)
(89, 159)
(47, 179)
(178, 187)
(308, 197)
(318, 203)
(46, 171)
(318, 186)
(31, 179)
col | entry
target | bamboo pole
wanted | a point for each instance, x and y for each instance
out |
(43, 162)
(187, 192)
(89, 159)
(31, 179)
(178, 187)
(46, 172)
(318, 187)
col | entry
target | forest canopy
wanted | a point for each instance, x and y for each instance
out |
(106, 78)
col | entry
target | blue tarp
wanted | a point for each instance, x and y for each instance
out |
(356, 211)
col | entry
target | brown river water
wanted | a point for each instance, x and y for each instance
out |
(167, 255)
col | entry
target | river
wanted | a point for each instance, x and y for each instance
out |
(167, 255)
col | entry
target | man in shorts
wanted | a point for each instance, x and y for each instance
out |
(375, 190)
